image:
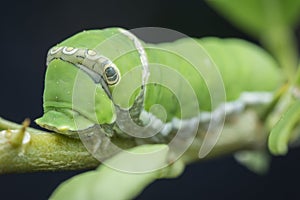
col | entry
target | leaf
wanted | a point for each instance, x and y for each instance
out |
(282, 131)
(108, 183)
(257, 16)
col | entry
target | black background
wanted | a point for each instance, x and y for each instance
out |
(29, 28)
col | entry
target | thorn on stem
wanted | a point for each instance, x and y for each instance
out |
(21, 137)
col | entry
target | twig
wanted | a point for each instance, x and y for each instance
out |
(45, 151)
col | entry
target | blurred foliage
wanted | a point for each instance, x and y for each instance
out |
(270, 21)
(258, 16)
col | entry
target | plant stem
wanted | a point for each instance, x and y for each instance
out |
(44, 152)
(54, 152)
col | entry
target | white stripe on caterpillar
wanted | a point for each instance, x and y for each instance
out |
(143, 56)
(231, 107)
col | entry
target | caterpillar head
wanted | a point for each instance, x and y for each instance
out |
(82, 74)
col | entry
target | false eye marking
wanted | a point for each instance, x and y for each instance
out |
(91, 62)
(54, 50)
(91, 52)
(111, 74)
(69, 50)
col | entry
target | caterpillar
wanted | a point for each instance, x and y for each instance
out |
(104, 84)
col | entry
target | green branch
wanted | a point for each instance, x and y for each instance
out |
(44, 151)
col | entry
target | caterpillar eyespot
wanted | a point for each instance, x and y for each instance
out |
(112, 75)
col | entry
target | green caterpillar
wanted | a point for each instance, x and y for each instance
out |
(104, 84)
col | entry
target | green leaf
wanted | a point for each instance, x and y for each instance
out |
(271, 22)
(282, 131)
(257, 16)
(108, 183)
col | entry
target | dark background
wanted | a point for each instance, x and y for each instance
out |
(29, 28)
